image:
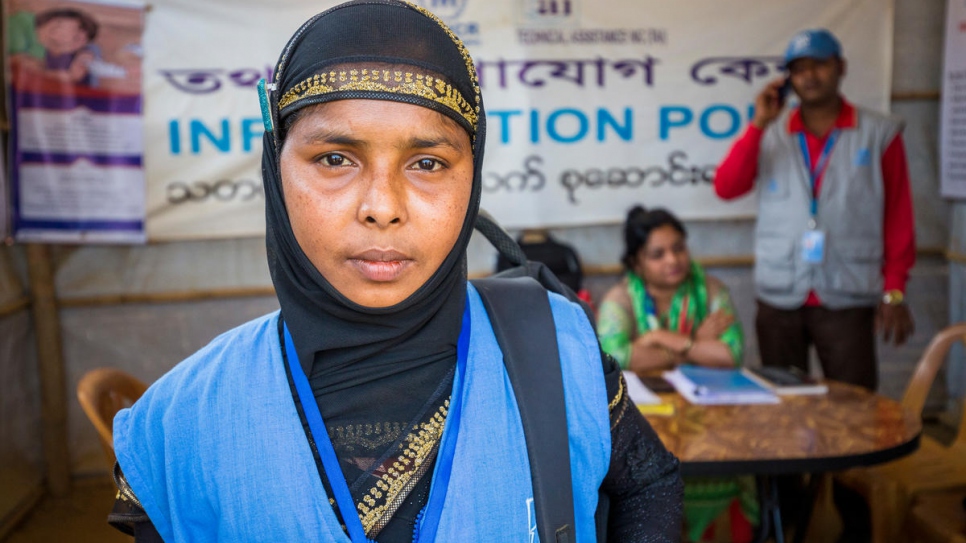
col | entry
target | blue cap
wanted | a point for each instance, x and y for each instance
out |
(817, 43)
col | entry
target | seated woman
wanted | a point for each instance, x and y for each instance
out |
(664, 312)
(376, 405)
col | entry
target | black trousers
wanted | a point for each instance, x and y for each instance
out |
(845, 342)
(843, 338)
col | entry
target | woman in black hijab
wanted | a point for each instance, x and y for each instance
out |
(371, 162)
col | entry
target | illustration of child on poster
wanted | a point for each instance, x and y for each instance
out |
(76, 123)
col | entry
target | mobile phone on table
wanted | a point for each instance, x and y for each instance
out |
(657, 384)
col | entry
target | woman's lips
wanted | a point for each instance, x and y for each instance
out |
(676, 272)
(381, 265)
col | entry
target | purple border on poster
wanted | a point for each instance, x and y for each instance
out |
(107, 104)
(53, 224)
(64, 158)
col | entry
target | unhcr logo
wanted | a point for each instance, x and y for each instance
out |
(447, 10)
(550, 12)
(451, 12)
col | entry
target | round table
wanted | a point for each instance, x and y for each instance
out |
(847, 427)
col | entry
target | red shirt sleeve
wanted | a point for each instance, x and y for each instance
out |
(736, 174)
(899, 231)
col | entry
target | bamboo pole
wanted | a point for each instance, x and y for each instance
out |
(20, 511)
(22, 301)
(53, 387)
(914, 96)
(164, 297)
(8, 268)
(14, 306)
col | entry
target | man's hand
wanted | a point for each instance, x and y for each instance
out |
(714, 325)
(768, 105)
(895, 322)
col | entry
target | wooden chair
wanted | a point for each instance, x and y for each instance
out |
(102, 393)
(938, 518)
(891, 488)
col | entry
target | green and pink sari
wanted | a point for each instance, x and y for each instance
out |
(689, 307)
(705, 499)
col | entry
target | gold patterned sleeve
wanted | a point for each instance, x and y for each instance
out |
(643, 483)
(734, 336)
(127, 515)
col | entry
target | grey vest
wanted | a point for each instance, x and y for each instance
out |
(850, 211)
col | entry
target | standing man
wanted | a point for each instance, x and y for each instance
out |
(835, 235)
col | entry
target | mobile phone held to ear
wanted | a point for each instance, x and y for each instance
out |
(784, 90)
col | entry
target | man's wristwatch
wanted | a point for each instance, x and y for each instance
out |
(893, 297)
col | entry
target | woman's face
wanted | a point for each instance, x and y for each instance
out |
(376, 192)
(664, 260)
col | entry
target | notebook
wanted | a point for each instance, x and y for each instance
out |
(787, 381)
(711, 386)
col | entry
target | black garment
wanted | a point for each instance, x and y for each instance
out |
(370, 368)
(363, 345)
(845, 342)
(128, 516)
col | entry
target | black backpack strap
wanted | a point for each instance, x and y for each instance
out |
(522, 321)
(510, 251)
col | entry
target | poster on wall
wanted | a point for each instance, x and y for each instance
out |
(592, 105)
(77, 146)
(953, 120)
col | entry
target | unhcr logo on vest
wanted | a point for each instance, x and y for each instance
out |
(558, 13)
(451, 12)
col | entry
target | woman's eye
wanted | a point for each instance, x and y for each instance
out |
(427, 164)
(334, 159)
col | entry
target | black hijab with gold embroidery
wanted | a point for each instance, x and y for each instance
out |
(376, 373)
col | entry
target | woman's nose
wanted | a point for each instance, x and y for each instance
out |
(383, 201)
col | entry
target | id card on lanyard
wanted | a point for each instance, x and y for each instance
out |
(813, 239)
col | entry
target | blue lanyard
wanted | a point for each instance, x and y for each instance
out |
(819, 169)
(429, 518)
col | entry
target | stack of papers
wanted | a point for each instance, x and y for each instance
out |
(647, 402)
(709, 386)
(638, 392)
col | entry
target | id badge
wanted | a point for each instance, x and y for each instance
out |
(813, 246)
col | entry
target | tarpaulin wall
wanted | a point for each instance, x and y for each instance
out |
(144, 308)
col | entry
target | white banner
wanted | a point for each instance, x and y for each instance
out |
(592, 106)
(953, 120)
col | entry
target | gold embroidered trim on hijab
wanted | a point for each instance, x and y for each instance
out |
(375, 80)
(467, 59)
(384, 499)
